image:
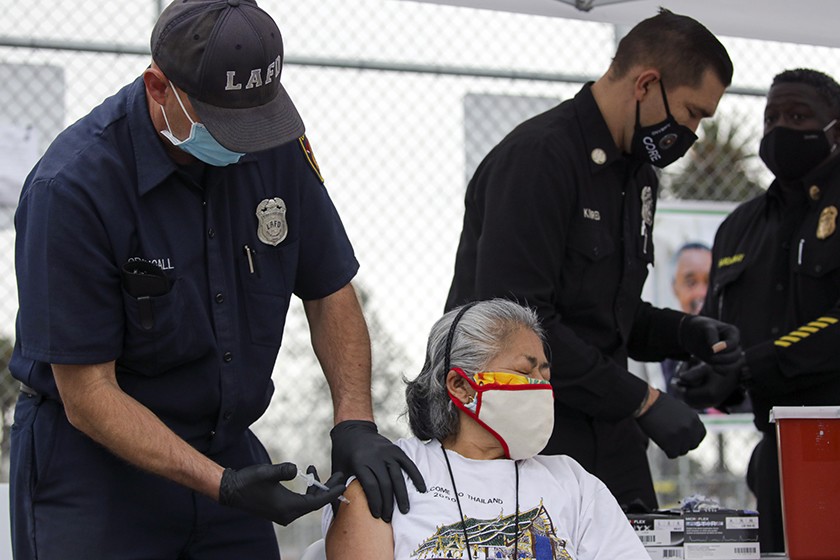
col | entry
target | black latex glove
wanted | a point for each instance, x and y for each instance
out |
(672, 425)
(257, 490)
(358, 449)
(697, 336)
(702, 386)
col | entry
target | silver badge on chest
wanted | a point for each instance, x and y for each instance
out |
(647, 215)
(271, 214)
(647, 207)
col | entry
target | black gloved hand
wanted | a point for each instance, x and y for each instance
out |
(702, 386)
(257, 489)
(672, 425)
(358, 449)
(698, 335)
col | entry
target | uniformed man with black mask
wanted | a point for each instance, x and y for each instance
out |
(776, 275)
(559, 216)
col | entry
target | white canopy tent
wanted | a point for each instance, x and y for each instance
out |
(809, 22)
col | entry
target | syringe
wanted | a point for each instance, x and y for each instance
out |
(310, 481)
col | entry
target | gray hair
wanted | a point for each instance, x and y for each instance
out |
(479, 336)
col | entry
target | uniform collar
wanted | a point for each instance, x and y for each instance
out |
(813, 186)
(601, 151)
(154, 165)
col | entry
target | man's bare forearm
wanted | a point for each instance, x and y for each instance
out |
(342, 344)
(96, 406)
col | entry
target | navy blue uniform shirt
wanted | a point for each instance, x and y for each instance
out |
(106, 193)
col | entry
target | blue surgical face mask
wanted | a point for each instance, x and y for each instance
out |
(199, 143)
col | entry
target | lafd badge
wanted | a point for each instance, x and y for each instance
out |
(271, 215)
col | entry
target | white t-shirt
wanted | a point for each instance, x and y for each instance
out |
(565, 513)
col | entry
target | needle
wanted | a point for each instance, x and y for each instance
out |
(310, 481)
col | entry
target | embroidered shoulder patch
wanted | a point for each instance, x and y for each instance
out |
(310, 156)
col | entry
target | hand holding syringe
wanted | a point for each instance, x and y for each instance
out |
(309, 478)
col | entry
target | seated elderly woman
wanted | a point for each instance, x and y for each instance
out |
(481, 409)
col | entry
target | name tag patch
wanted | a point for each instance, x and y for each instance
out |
(729, 261)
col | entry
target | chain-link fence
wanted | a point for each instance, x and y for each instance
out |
(401, 101)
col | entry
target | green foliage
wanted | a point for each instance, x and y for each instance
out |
(9, 390)
(716, 168)
(8, 385)
(297, 423)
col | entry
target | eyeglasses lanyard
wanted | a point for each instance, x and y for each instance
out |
(461, 512)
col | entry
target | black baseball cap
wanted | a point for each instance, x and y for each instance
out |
(226, 55)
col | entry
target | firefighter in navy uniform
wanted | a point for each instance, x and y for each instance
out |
(559, 217)
(776, 276)
(159, 242)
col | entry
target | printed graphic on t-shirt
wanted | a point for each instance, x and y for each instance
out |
(495, 539)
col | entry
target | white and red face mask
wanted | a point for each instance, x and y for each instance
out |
(517, 410)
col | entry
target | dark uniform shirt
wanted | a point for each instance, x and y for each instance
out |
(557, 218)
(106, 193)
(776, 276)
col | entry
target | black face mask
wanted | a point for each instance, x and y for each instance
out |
(663, 143)
(790, 153)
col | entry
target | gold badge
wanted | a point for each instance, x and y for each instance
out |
(827, 223)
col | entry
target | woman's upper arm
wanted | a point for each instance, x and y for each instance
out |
(355, 533)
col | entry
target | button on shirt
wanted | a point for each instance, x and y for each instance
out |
(106, 193)
(559, 219)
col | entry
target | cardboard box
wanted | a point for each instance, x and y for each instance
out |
(659, 528)
(721, 535)
(665, 552)
(722, 551)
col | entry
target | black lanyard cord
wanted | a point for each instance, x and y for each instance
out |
(461, 511)
(458, 501)
(516, 517)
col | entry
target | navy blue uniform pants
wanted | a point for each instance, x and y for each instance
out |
(763, 480)
(71, 500)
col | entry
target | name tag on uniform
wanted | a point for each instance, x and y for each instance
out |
(590, 214)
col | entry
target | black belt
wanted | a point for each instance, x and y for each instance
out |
(28, 391)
